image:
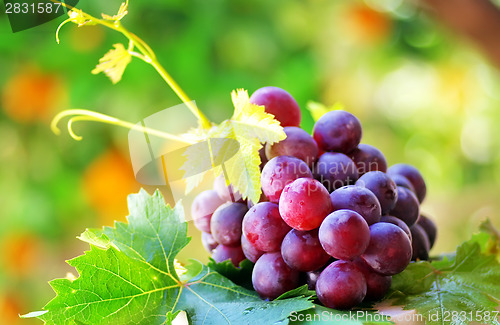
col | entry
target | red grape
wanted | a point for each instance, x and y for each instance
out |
(429, 227)
(338, 131)
(413, 175)
(398, 222)
(302, 250)
(251, 253)
(279, 172)
(341, 285)
(389, 251)
(226, 223)
(279, 103)
(304, 204)
(226, 192)
(407, 207)
(203, 207)
(420, 243)
(335, 170)
(272, 277)
(358, 199)
(382, 186)
(264, 228)
(208, 241)
(234, 253)
(344, 234)
(298, 143)
(368, 158)
(376, 285)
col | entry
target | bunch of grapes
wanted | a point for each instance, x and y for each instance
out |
(332, 215)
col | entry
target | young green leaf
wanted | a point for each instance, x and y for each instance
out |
(131, 277)
(114, 62)
(467, 285)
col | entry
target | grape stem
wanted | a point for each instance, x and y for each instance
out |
(147, 55)
(86, 115)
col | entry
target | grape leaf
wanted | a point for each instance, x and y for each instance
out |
(129, 277)
(114, 62)
(468, 282)
(241, 275)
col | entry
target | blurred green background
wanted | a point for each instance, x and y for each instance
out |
(424, 94)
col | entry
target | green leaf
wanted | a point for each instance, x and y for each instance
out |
(468, 283)
(114, 62)
(129, 276)
(241, 275)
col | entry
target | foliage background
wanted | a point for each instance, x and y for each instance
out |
(424, 95)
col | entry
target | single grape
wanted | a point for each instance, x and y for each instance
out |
(279, 172)
(389, 251)
(430, 228)
(251, 253)
(344, 234)
(298, 144)
(420, 243)
(302, 251)
(208, 241)
(341, 285)
(376, 285)
(382, 186)
(272, 277)
(413, 175)
(338, 131)
(226, 192)
(234, 253)
(398, 222)
(403, 182)
(264, 228)
(407, 207)
(226, 223)
(304, 204)
(358, 199)
(335, 170)
(368, 158)
(202, 208)
(279, 103)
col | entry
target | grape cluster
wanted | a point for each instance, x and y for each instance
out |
(332, 215)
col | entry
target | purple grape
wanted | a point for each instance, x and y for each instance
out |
(376, 285)
(251, 253)
(413, 175)
(208, 241)
(203, 207)
(225, 192)
(234, 253)
(382, 186)
(302, 251)
(341, 285)
(298, 144)
(368, 158)
(420, 243)
(279, 103)
(344, 234)
(429, 227)
(403, 182)
(335, 170)
(272, 277)
(398, 222)
(264, 228)
(338, 131)
(279, 172)
(407, 207)
(389, 251)
(226, 223)
(304, 204)
(358, 199)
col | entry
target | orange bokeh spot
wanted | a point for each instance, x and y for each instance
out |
(10, 308)
(369, 25)
(106, 184)
(31, 95)
(20, 252)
